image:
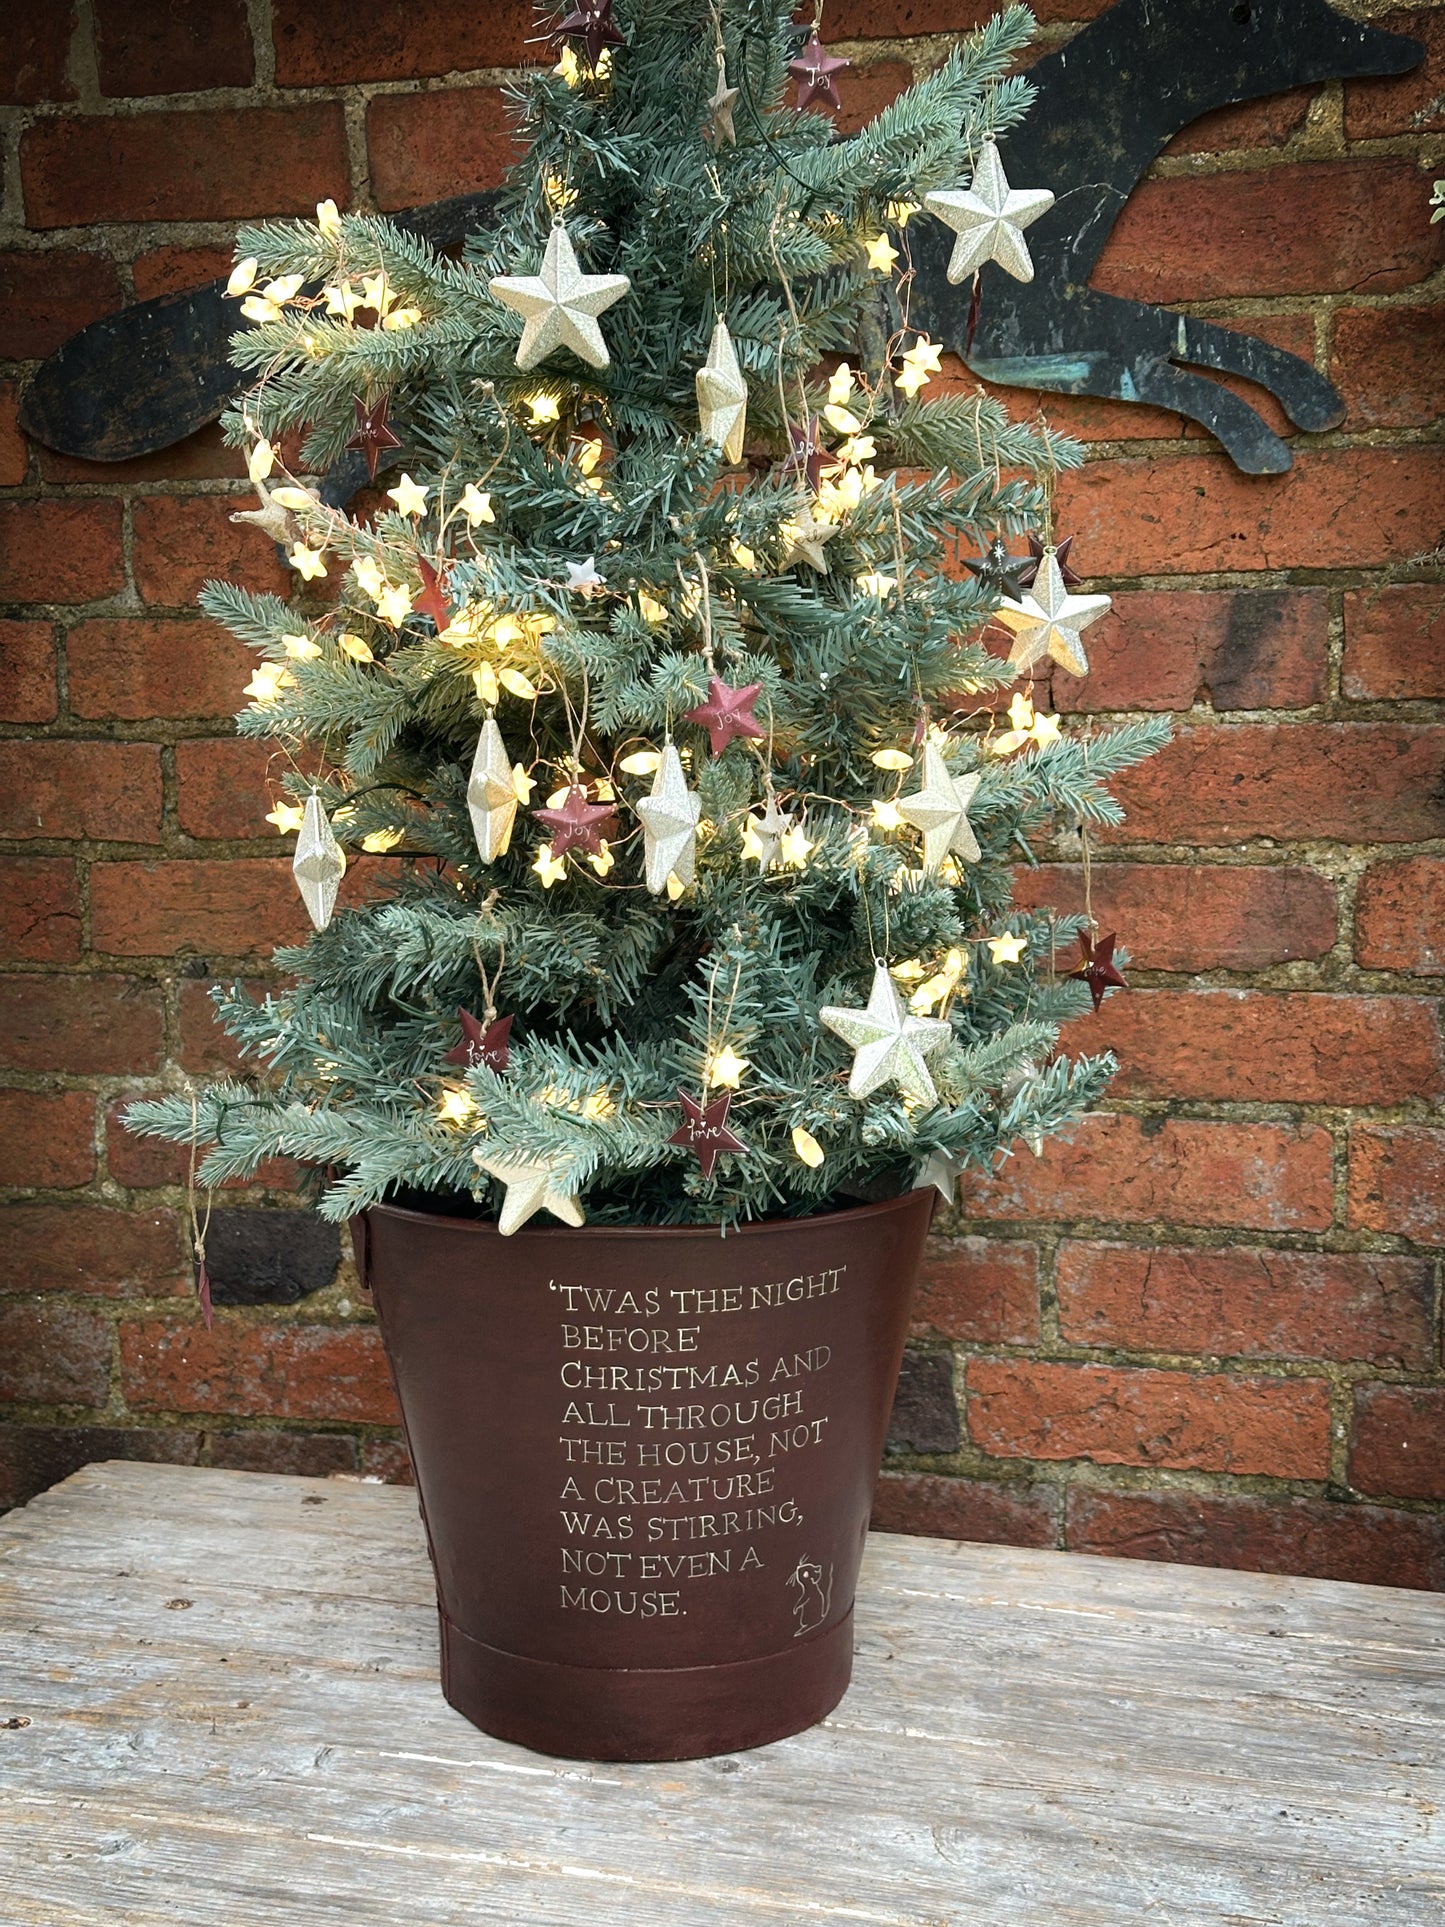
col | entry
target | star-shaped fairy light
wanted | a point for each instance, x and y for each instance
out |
(577, 824)
(720, 110)
(669, 824)
(881, 254)
(591, 21)
(560, 305)
(1096, 966)
(763, 835)
(1007, 947)
(372, 435)
(482, 1042)
(1000, 572)
(704, 1130)
(889, 1045)
(920, 363)
(432, 600)
(940, 810)
(1029, 568)
(722, 395)
(813, 69)
(727, 713)
(531, 1186)
(1048, 621)
(988, 217)
(492, 794)
(319, 863)
(409, 496)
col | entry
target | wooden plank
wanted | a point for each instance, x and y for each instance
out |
(1029, 1737)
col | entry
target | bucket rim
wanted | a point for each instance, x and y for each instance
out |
(760, 1227)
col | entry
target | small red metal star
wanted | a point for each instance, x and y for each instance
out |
(727, 713)
(592, 20)
(813, 70)
(372, 433)
(1096, 966)
(1028, 572)
(704, 1130)
(481, 1043)
(432, 601)
(804, 456)
(578, 824)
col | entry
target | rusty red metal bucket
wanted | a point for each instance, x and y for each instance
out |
(645, 1459)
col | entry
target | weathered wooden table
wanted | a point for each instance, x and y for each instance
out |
(218, 1706)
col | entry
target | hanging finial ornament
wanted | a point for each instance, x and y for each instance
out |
(813, 70)
(940, 810)
(531, 1186)
(988, 217)
(889, 1044)
(319, 863)
(1047, 621)
(669, 824)
(591, 21)
(722, 395)
(720, 109)
(560, 305)
(492, 794)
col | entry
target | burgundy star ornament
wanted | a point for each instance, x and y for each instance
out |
(727, 713)
(1028, 571)
(578, 824)
(432, 600)
(804, 456)
(592, 21)
(704, 1130)
(1096, 966)
(372, 433)
(482, 1043)
(813, 70)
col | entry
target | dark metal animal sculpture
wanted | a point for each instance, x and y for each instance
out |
(1108, 102)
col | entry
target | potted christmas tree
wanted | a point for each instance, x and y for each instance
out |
(686, 976)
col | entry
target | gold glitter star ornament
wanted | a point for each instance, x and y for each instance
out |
(669, 825)
(1048, 621)
(940, 811)
(889, 1045)
(560, 305)
(989, 216)
(722, 395)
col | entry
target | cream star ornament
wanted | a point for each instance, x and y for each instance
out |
(722, 395)
(942, 1172)
(271, 518)
(319, 863)
(531, 1186)
(582, 577)
(720, 110)
(763, 835)
(888, 1043)
(492, 794)
(1048, 620)
(560, 305)
(988, 217)
(669, 824)
(940, 811)
(803, 539)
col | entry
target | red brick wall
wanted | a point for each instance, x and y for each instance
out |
(1208, 1329)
